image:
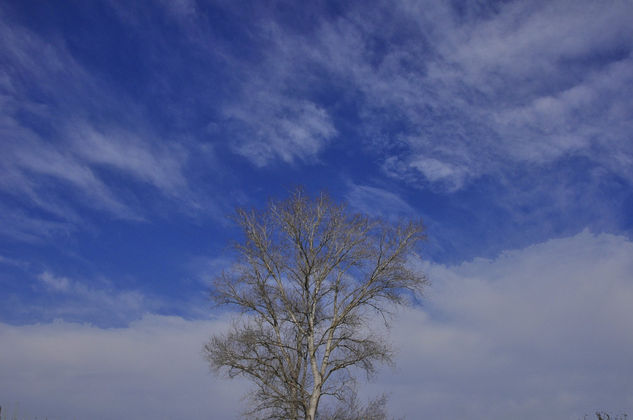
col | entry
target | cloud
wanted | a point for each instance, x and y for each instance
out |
(539, 83)
(269, 126)
(97, 300)
(539, 332)
(180, 9)
(448, 94)
(205, 269)
(23, 227)
(34, 163)
(66, 132)
(159, 164)
(437, 174)
(271, 112)
(378, 202)
(61, 284)
(13, 262)
(151, 369)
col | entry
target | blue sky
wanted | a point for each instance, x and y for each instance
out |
(131, 130)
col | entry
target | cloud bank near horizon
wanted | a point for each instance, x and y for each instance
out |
(540, 332)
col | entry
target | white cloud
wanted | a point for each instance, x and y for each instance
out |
(540, 79)
(34, 162)
(180, 9)
(378, 202)
(13, 262)
(158, 163)
(151, 369)
(55, 157)
(270, 127)
(482, 91)
(541, 332)
(436, 172)
(94, 299)
(61, 284)
(205, 268)
(25, 228)
(75, 160)
(521, 39)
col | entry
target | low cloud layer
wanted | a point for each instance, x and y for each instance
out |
(538, 333)
(153, 369)
(544, 332)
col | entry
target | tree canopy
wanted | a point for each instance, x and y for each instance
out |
(310, 277)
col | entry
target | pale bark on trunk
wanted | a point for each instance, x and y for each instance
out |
(316, 374)
(314, 402)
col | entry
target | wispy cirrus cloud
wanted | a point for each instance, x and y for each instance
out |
(24, 227)
(13, 262)
(60, 284)
(92, 299)
(538, 82)
(269, 127)
(273, 116)
(159, 164)
(32, 163)
(259, 105)
(65, 131)
(378, 202)
(449, 94)
(492, 70)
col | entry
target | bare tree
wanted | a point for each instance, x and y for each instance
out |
(309, 278)
(352, 409)
(602, 415)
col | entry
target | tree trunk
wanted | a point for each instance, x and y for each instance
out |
(314, 402)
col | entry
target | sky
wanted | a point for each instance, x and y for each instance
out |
(130, 132)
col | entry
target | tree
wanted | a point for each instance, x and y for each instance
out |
(602, 415)
(309, 278)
